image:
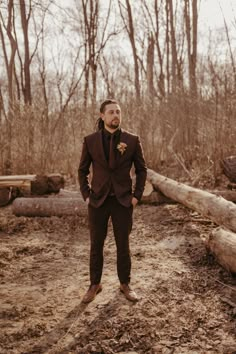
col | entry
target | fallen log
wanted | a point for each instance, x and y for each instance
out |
(49, 207)
(216, 208)
(222, 244)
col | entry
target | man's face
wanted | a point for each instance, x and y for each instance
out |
(111, 116)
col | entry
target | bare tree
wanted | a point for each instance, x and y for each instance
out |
(26, 71)
(154, 41)
(129, 26)
(9, 64)
(191, 26)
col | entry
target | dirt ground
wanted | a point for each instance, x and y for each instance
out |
(187, 301)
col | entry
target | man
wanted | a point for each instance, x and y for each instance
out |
(111, 151)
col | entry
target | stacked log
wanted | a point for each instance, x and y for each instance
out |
(28, 185)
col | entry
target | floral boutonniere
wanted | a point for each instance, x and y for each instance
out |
(121, 147)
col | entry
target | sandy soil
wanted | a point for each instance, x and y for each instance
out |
(187, 301)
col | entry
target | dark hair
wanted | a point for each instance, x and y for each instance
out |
(105, 103)
(99, 122)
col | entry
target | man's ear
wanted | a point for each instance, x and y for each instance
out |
(102, 116)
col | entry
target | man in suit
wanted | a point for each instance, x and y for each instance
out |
(111, 151)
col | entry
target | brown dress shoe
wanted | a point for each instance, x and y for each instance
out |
(91, 293)
(128, 292)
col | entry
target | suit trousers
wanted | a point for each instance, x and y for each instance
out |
(121, 218)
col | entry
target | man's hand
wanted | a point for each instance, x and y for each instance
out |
(134, 202)
(87, 201)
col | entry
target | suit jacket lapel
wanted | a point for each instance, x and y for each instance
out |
(123, 139)
(101, 149)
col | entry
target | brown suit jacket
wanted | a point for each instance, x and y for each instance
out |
(103, 176)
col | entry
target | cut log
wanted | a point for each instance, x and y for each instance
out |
(229, 168)
(5, 196)
(148, 189)
(47, 184)
(55, 182)
(231, 186)
(49, 207)
(39, 186)
(216, 208)
(222, 244)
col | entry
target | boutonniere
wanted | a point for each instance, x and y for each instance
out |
(121, 147)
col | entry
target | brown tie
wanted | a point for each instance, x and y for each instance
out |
(112, 153)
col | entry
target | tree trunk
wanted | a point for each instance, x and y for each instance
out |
(222, 244)
(216, 208)
(49, 207)
(131, 33)
(27, 78)
(174, 55)
(161, 79)
(150, 68)
(191, 34)
(9, 63)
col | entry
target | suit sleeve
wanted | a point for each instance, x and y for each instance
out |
(83, 171)
(140, 170)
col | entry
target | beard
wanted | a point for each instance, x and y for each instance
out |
(114, 124)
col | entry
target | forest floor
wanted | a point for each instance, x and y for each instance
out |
(187, 301)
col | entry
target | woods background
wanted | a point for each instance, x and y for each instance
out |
(58, 60)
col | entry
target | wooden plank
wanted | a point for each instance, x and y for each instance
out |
(20, 184)
(18, 178)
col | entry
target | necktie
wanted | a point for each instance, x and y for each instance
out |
(112, 153)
